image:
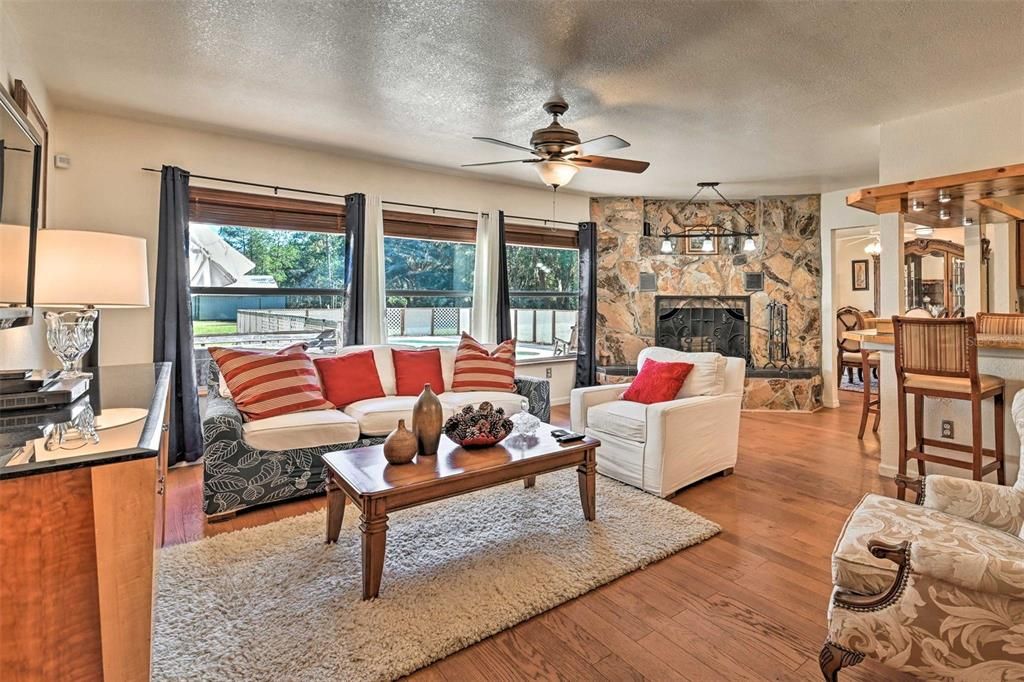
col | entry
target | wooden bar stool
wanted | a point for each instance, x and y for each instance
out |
(871, 403)
(939, 359)
(1009, 324)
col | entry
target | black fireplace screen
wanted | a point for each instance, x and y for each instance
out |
(717, 324)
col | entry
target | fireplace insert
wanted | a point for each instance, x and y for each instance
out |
(717, 324)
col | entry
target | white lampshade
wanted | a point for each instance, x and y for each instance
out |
(75, 268)
(556, 173)
(14, 264)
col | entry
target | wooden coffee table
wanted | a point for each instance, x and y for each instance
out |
(378, 488)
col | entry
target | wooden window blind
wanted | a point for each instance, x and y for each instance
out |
(445, 228)
(224, 207)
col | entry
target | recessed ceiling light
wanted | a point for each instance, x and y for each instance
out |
(944, 214)
(968, 221)
(917, 205)
(944, 197)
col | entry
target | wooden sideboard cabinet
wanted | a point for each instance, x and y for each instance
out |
(81, 524)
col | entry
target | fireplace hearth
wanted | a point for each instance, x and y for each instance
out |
(717, 324)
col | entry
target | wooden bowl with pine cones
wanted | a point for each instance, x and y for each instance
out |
(478, 427)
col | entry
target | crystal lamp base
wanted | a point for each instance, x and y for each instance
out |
(69, 335)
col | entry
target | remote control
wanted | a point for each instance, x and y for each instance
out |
(569, 437)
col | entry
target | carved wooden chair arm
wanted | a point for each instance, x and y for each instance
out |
(898, 554)
(904, 482)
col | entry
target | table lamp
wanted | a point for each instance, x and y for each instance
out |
(86, 271)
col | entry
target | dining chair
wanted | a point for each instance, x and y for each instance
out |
(939, 359)
(918, 312)
(849, 358)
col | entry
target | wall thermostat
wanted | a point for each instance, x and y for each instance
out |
(61, 161)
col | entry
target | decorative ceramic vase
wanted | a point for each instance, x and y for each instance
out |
(427, 419)
(400, 445)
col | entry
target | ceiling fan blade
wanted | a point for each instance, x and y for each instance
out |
(502, 143)
(495, 163)
(605, 143)
(611, 163)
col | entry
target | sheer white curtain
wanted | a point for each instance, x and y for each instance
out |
(484, 325)
(374, 300)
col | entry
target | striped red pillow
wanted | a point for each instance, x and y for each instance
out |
(477, 369)
(266, 384)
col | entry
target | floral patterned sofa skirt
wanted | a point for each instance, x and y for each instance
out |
(237, 476)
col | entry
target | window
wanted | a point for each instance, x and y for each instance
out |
(544, 293)
(429, 285)
(265, 270)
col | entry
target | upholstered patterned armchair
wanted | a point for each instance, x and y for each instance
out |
(935, 589)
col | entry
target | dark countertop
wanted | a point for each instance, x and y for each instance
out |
(128, 403)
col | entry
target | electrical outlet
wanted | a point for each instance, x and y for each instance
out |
(547, 373)
(947, 428)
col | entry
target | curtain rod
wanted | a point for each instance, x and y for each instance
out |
(278, 188)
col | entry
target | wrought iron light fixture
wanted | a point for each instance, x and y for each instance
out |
(710, 231)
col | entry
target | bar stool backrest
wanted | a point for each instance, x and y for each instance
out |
(946, 347)
(1001, 323)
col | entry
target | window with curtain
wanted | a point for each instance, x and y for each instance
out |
(544, 293)
(265, 270)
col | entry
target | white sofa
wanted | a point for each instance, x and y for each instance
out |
(366, 418)
(250, 463)
(663, 447)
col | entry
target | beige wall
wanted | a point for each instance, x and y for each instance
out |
(849, 249)
(105, 190)
(25, 346)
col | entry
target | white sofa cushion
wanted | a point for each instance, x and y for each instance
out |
(448, 365)
(622, 418)
(511, 402)
(706, 378)
(379, 416)
(301, 430)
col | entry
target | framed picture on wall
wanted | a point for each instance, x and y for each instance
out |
(695, 240)
(861, 275)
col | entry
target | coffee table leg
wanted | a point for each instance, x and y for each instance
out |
(587, 473)
(529, 481)
(335, 509)
(374, 525)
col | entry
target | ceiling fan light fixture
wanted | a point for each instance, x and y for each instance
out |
(556, 174)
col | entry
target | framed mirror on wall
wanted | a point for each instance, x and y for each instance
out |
(21, 161)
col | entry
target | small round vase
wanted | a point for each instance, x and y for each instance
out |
(427, 419)
(400, 445)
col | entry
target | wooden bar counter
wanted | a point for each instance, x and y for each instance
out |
(998, 354)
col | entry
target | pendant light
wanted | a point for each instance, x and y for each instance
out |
(707, 246)
(666, 245)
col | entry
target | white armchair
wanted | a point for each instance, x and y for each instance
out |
(663, 447)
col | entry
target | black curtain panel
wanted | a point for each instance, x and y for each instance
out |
(586, 330)
(355, 246)
(504, 309)
(172, 321)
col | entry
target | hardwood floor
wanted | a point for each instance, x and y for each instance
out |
(748, 604)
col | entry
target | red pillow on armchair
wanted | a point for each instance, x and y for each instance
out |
(657, 382)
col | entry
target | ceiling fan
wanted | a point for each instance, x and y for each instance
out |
(559, 154)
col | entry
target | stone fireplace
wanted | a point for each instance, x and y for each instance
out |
(721, 302)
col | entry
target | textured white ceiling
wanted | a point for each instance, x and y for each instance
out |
(767, 97)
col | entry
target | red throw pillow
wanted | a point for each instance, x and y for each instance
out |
(477, 369)
(414, 368)
(349, 378)
(267, 384)
(657, 382)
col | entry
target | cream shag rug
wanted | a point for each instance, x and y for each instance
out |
(276, 603)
